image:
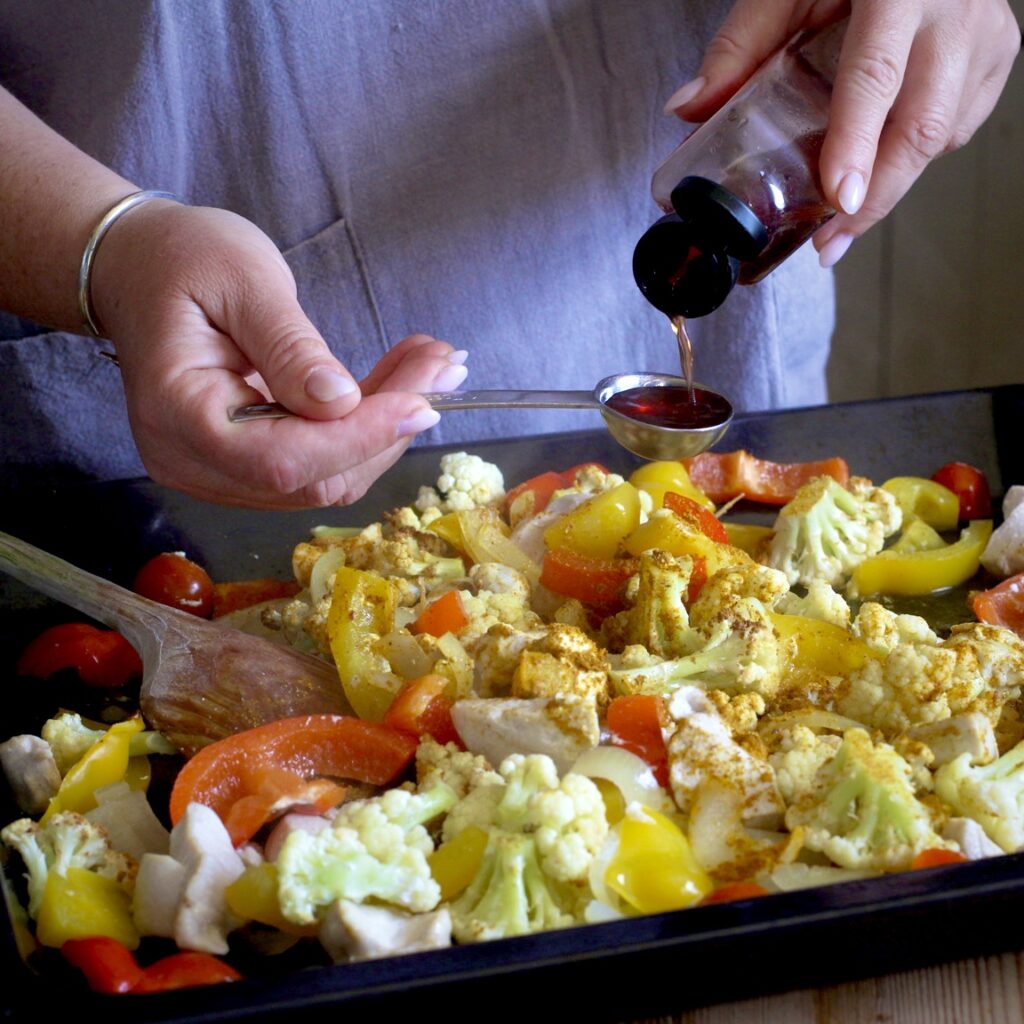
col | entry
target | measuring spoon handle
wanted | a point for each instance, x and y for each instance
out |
(448, 401)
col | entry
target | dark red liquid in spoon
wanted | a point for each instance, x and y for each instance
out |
(672, 406)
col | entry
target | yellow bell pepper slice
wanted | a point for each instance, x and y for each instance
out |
(253, 897)
(103, 764)
(818, 647)
(654, 869)
(747, 536)
(449, 527)
(362, 609)
(656, 478)
(924, 572)
(598, 527)
(455, 864)
(81, 904)
(925, 499)
(917, 535)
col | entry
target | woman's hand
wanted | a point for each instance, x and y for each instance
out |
(916, 79)
(203, 313)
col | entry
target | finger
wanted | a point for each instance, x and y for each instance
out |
(383, 376)
(347, 488)
(268, 325)
(920, 128)
(420, 344)
(424, 373)
(751, 32)
(874, 57)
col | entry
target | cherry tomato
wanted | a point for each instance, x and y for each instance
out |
(175, 580)
(101, 657)
(969, 485)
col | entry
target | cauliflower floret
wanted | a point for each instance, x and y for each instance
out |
(702, 749)
(882, 630)
(977, 669)
(375, 849)
(799, 756)
(991, 794)
(862, 811)
(731, 645)
(658, 618)
(821, 602)
(465, 482)
(461, 770)
(542, 837)
(503, 596)
(66, 840)
(827, 529)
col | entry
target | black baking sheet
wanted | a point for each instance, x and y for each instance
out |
(621, 970)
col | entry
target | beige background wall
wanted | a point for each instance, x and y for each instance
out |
(933, 297)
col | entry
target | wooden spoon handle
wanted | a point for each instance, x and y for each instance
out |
(96, 597)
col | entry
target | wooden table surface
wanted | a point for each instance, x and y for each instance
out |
(989, 990)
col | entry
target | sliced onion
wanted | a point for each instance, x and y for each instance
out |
(598, 872)
(790, 877)
(633, 776)
(815, 719)
(486, 541)
(404, 654)
(323, 569)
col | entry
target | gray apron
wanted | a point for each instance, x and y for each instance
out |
(475, 170)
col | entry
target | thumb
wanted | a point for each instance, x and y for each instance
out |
(290, 355)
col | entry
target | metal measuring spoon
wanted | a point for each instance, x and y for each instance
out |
(636, 432)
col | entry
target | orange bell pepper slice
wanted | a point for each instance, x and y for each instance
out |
(598, 582)
(444, 615)
(336, 746)
(727, 475)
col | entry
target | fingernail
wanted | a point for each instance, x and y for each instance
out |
(684, 94)
(450, 378)
(459, 356)
(325, 385)
(851, 192)
(835, 249)
(424, 419)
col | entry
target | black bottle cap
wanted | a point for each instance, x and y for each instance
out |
(719, 218)
(678, 277)
(687, 263)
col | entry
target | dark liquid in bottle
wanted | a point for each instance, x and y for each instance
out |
(672, 406)
(785, 193)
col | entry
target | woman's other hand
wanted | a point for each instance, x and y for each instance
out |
(202, 310)
(916, 79)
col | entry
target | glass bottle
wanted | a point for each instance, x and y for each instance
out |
(742, 192)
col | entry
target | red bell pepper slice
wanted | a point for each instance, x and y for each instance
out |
(422, 709)
(335, 746)
(697, 516)
(734, 891)
(727, 475)
(968, 483)
(1002, 605)
(108, 965)
(241, 594)
(935, 858)
(184, 970)
(111, 968)
(542, 487)
(101, 657)
(444, 615)
(594, 581)
(635, 723)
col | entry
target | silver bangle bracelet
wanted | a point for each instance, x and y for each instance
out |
(118, 210)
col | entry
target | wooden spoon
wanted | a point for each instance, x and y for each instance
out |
(201, 680)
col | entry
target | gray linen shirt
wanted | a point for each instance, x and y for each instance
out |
(476, 170)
